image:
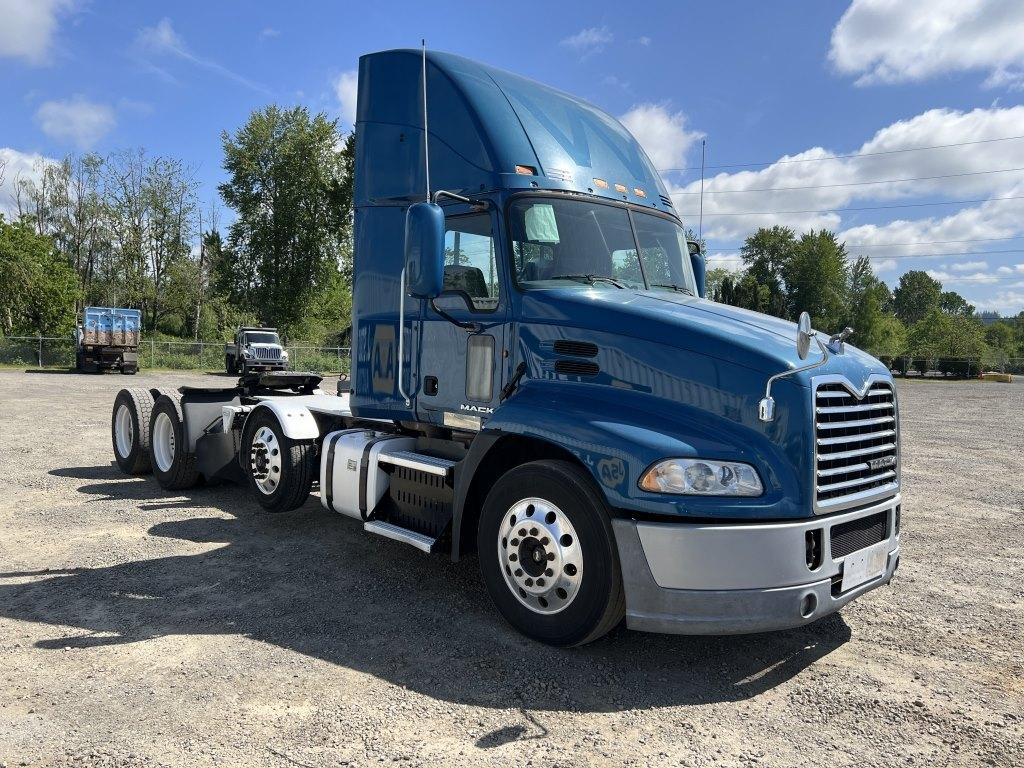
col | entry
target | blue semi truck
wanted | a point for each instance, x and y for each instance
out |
(538, 379)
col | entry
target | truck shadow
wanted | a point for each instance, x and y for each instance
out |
(315, 584)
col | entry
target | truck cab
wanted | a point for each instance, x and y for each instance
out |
(538, 378)
(255, 349)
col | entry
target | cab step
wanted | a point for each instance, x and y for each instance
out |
(421, 541)
(432, 465)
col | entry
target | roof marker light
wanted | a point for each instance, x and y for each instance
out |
(526, 170)
(620, 188)
(600, 183)
(639, 192)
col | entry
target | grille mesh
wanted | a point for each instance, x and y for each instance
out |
(858, 534)
(267, 353)
(856, 439)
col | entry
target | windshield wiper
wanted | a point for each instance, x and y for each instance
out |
(588, 278)
(674, 287)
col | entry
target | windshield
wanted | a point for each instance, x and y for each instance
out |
(572, 242)
(262, 337)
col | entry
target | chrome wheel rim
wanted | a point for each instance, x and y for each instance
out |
(265, 460)
(540, 555)
(124, 431)
(163, 442)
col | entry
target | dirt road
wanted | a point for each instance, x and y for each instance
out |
(141, 629)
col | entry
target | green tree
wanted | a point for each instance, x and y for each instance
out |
(287, 184)
(867, 299)
(917, 294)
(952, 303)
(888, 338)
(816, 280)
(38, 288)
(766, 254)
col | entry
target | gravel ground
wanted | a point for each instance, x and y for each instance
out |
(142, 629)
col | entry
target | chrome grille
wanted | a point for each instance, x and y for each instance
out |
(267, 353)
(856, 443)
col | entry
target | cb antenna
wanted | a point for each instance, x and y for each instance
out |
(700, 220)
(426, 134)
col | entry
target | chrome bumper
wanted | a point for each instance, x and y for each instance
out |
(725, 579)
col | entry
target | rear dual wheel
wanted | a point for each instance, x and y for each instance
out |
(548, 555)
(129, 430)
(278, 469)
(173, 464)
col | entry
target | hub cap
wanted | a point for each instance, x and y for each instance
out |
(265, 460)
(540, 555)
(163, 442)
(124, 432)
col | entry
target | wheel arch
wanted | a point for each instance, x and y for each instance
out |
(492, 454)
(297, 421)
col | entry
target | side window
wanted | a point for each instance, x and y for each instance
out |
(469, 259)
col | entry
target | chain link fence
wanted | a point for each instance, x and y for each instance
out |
(57, 353)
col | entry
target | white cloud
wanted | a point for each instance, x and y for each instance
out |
(644, 40)
(968, 266)
(16, 165)
(1006, 302)
(76, 121)
(661, 133)
(588, 41)
(975, 277)
(732, 262)
(346, 86)
(884, 265)
(817, 180)
(268, 32)
(162, 41)
(894, 41)
(27, 28)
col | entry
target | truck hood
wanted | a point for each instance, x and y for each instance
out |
(763, 343)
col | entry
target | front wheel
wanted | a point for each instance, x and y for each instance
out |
(279, 470)
(548, 554)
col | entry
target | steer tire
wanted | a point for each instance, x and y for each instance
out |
(295, 460)
(597, 602)
(132, 454)
(173, 465)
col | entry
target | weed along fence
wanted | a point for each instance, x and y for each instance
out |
(57, 352)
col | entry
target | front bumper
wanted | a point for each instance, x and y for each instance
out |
(701, 579)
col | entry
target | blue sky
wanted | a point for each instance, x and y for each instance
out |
(796, 82)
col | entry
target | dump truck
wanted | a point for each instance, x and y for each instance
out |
(108, 338)
(255, 349)
(538, 378)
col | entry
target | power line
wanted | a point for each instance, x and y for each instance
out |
(863, 208)
(849, 183)
(905, 255)
(845, 157)
(893, 245)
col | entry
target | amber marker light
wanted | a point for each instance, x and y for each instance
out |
(600, 183)
(525, 170)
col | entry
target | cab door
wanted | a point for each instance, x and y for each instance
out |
(461, 369)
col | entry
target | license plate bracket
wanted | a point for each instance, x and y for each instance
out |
(864, 565)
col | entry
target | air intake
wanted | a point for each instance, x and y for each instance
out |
(577, 367)
(575, 348)
(666, 200)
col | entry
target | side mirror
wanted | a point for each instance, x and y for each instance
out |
(700, 267)
(424, 250)
(803, 335)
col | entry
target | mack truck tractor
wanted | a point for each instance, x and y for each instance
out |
(538, 379)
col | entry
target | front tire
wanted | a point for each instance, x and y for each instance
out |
(279, 470)
(173, 464)
(548, 554)
(129, 430)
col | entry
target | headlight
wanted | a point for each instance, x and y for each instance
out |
(284, 354)
(246, 353)
(700, 477)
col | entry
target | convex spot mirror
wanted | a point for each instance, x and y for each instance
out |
(804, 334)
(424, 250)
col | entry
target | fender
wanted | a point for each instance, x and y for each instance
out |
(296, 420)
(617, 434)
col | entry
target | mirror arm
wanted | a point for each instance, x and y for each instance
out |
(469, 327)
(401, 337)
(766, 408)
(477, 204)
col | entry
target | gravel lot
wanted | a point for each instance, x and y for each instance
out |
(144, 629)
